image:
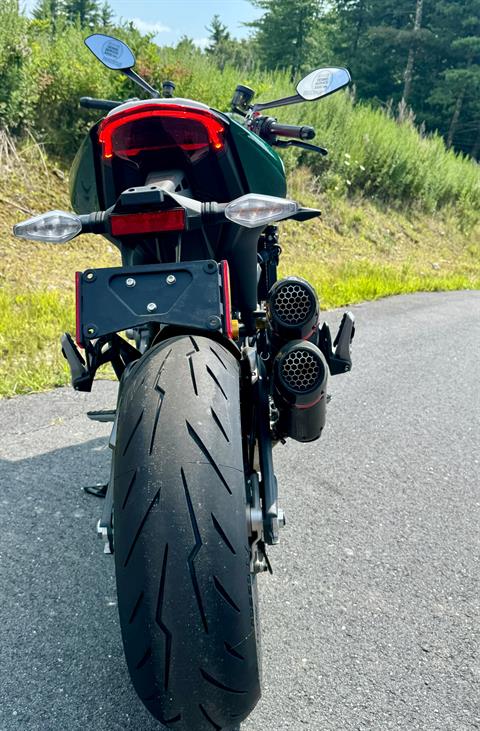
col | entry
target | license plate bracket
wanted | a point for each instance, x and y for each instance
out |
(185, 294)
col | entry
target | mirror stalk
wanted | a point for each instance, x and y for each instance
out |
(141, 82)
(316, 85)
(295, 99)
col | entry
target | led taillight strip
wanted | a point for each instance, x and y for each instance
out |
(212, 124)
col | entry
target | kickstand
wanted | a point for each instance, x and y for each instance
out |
(97, 490)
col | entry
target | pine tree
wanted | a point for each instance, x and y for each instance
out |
(285, 34)
(218, 34)
(86, 12)
(225, 49)
(453, 101)
(48, 10)
(106, 16)
(220, 45)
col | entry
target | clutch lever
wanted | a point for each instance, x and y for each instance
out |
(298, 143)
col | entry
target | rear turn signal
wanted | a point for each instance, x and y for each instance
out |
(255, 210)
(54, 227)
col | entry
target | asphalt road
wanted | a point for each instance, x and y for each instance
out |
(371, 620)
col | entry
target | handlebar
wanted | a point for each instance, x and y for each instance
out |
(89, 102)
(290, 130)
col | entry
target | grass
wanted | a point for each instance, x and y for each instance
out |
(359, 250)
(371, 154)
(401, 213)
(363, 250)
(37, 280)
(30, 325)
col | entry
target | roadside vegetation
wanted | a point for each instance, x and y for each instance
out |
(359, 250)
(400, 211)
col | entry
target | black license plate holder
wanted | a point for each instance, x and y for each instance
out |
(185, 294)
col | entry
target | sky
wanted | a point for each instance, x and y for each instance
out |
(171, 19)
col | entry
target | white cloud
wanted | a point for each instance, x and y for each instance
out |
(144, 27)
(201, 43)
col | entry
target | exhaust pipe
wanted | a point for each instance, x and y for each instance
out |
(292, 311)
(300, 374)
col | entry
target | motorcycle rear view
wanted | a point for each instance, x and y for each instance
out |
(219, 362)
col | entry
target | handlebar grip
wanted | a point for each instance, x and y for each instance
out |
(89, 102)
(292, 130)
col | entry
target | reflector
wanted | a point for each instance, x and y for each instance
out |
(54, 227)
(255, 210)
(147, 223)
(227, 299)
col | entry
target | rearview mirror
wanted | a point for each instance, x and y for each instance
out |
(323, 82)
(315, 85)
(114, 54)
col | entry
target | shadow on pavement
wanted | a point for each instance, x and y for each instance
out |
(62, 658)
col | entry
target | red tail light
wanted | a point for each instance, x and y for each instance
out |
(147, 223)
(152, 127)
(227, 303)
(78, 321)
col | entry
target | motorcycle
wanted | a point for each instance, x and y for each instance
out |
(221, 362)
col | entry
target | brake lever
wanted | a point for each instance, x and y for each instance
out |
(298, 143)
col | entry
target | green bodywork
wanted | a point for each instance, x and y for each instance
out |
(83, 186)
(262, 166)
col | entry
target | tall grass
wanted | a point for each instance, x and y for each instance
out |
(370, 153)
(30, 326)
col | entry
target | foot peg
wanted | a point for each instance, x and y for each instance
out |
(104, 415)
(340, 359)
(81, 378)
(97, 490)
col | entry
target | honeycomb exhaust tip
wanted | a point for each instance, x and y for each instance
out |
(293, 303)
(292, 309)
(301, 370)
(300, 375)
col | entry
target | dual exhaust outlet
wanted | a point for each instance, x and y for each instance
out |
(300, 370)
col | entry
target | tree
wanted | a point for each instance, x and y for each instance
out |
(221, 44)
(224, 49)
(50, 10)
(106, 16)
(453, 102)
(86, 12)
(218, 35)
(285, 35)
(408, 75)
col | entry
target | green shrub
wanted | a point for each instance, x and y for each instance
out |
(43, 76)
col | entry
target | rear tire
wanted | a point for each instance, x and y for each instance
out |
(186, 597)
